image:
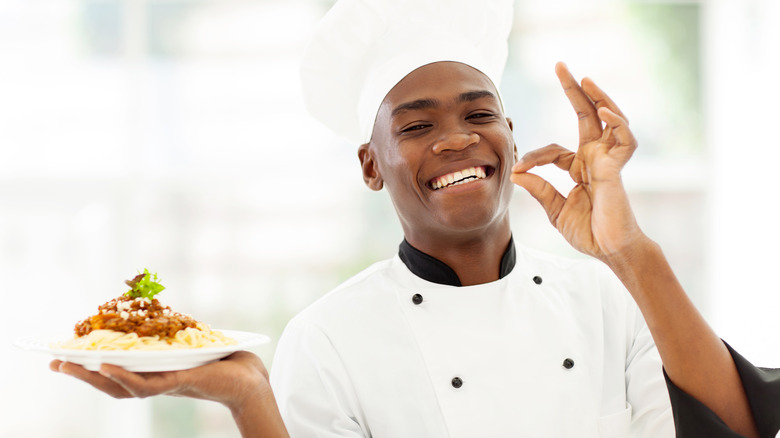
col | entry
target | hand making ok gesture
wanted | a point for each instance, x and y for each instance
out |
(595, 218)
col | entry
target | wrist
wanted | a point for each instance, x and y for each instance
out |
(258, 416)
(248, 389)
(640, 257)
(644, 270)
(251, 403)
(633, 249)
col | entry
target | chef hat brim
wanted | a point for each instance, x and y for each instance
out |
(362, 48)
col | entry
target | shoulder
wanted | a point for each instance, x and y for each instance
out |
(564, 267)
(583, 280)
(363, 294)
(343, 323)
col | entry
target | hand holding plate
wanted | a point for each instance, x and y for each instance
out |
(218, 381)
(239, 381)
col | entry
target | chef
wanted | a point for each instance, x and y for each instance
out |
(465, 332)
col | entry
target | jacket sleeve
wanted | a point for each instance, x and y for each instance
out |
(693, 420)
(645, 389)
(312, 387)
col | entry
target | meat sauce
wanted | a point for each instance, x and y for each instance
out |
(141, 316)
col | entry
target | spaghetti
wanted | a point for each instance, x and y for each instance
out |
(137, 321)
(109, 340)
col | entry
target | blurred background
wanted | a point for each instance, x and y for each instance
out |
(170, 135)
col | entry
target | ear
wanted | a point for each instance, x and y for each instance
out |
(371, 175)
(514, 145)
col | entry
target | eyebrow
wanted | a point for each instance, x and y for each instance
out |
(415, 105)
(420, 104)
(470, 96)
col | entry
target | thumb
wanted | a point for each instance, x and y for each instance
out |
(548, 196)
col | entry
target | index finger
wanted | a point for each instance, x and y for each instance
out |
(550, 154)
(589, 123)
(95, 379)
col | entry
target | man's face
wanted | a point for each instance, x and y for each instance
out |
(444, 149)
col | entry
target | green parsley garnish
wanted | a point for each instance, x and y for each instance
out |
(144, 286)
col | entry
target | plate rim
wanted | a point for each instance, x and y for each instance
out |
(41, 343)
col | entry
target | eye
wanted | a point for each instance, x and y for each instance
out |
(415, 127)
(480, 115)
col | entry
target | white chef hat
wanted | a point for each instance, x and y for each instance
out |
(362, 48)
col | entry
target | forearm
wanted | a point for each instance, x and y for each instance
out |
(259, 417)
(693, 356)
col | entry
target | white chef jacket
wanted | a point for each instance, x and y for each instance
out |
(388, 354)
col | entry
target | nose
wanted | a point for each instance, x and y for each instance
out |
(455, 141)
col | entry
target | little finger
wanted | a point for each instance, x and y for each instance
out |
(618, 128)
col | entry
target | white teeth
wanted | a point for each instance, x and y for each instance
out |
(460, 177)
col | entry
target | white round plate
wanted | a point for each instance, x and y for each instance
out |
(144, 361)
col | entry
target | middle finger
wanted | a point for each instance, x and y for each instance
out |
(600, 98)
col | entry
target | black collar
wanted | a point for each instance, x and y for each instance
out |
(434, 270)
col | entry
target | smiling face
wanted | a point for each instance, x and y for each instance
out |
(443, 148)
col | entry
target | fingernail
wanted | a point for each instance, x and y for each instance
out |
(517, 165)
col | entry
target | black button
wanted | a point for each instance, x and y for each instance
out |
(538, 280)
(457, 382)
(417, 299)
(568, 363)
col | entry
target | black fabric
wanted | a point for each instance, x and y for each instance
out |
(508, 260)
(694, 420)
(762, 386)
(434, 270)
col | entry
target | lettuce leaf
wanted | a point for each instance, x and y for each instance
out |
(144, 285)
